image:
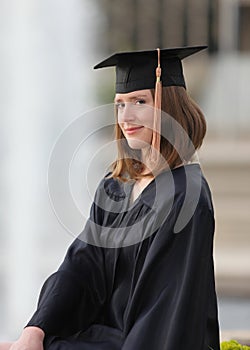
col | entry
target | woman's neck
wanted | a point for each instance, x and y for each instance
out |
(146, 160)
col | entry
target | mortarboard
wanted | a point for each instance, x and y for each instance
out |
(136, 70)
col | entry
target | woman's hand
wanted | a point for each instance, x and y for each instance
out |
(30, 339)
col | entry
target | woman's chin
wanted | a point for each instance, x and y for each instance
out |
(137, 144)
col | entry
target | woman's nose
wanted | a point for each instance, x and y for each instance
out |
(126, 113)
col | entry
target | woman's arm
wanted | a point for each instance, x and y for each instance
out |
(72, 298)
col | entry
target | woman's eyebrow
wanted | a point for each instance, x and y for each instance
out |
(137, 97)
(132, 98)
(118, 100)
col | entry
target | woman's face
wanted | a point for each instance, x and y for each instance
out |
(135, 117)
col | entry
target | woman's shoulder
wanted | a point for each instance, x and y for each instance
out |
(191, 186)
(192, 196)
(198, 188)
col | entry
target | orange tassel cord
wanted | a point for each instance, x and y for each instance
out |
(156, 137)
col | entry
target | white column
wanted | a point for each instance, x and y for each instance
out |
(48, 50)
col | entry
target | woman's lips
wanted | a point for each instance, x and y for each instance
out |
(133, 130)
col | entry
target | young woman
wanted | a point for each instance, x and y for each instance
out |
(140, 275)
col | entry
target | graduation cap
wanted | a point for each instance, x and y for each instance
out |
(136, 70)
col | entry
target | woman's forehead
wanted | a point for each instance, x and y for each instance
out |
(133, 94)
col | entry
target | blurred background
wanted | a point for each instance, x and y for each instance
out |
(47, 52)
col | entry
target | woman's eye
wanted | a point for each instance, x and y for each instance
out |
(120, 105)
(140, 102)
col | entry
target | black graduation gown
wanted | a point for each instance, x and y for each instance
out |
(155, 291)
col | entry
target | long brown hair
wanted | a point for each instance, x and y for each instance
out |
(183, 128)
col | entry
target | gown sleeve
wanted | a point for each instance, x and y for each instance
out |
(73, 297)
(175, 304)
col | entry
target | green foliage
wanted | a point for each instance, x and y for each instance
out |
(233, 345)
